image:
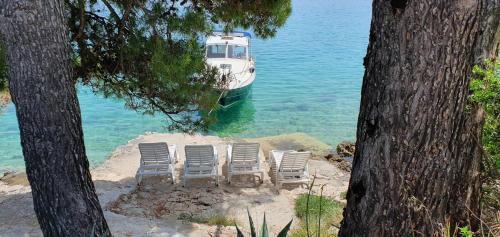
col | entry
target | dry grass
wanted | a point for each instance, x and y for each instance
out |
(214, 219)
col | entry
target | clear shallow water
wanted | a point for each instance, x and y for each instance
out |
(308, 80)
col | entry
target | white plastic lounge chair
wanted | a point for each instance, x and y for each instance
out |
(243, 158)
(289, 167)
(157, 159)
(201, 162)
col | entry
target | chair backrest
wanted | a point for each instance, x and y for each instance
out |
(153, 153)
(294, 161)
(245, 153)
(199, 155)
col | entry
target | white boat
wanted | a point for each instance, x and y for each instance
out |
(230, 54)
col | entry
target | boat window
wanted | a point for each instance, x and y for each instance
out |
(216, 51)
(236, 51)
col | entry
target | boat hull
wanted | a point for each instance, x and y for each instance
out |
(232, 97)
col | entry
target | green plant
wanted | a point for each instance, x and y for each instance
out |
(264, 232)
(329, 216)
(485, 88)
(328, 206)
(465, 232)
(325, 212)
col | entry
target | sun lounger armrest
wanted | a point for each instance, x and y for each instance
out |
(172, 150)
(229, 154)
(216, 156)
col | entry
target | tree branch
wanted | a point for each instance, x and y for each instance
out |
(112, 11)
(82, 19)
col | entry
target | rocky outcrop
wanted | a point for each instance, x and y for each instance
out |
(342, 156)
(15, 178)
(340, 162)
(346, 149)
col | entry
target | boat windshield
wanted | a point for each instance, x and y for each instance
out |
(216, 51)
(237, 51)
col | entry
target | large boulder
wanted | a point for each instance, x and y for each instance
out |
(346, 149)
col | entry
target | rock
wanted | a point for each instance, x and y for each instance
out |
(184, 216)
(13, 178)
(333, 157)
(342, 163)
(345, 149)
(345, 166)
(124, 198)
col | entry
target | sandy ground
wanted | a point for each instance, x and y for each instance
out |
(158, 208)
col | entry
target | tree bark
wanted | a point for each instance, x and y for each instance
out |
(48, 112)
(417, 162)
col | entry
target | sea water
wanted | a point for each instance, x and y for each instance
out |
(308, 80)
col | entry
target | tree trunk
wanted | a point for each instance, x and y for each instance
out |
(417, 162)
(48, 112)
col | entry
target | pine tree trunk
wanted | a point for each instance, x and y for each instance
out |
(417, 163)
(48, 112)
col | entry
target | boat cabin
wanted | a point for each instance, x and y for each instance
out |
(230, 46)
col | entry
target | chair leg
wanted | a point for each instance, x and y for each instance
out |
(262, 177)
(228, 177)
(217, 176)
(139, 179)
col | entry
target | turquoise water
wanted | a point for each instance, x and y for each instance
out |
(308, 80)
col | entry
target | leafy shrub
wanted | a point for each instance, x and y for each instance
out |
(485, 88)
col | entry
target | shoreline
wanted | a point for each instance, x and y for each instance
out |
(5, 99)
(293, 141)
(132, 210)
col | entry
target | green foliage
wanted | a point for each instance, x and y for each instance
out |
(486, 92)
(331, 215)
(263, 229)
(485, 87)
(327, 205)
(465, 232)
(264, 232)
(263, 16)
(150, 53)
(3, 67)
